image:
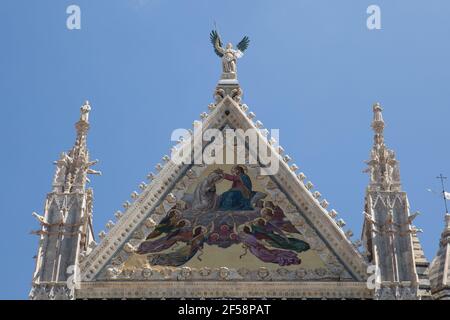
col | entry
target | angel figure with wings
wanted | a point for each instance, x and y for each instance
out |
(228, 54)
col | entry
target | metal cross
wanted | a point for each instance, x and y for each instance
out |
(442, 178)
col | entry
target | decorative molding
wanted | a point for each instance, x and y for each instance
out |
(51, 291)
(220, 289)
(402, 291)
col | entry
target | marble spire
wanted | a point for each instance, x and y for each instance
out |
(388, 234)
(65, 233)
(383, 167)
(440, 267)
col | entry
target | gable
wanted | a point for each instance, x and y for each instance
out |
(249, 255)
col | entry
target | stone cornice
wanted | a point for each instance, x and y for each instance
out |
(219, 289)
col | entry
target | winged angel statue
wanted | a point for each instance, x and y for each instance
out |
(228, 54)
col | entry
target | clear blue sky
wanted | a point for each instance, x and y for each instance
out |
(313, 70)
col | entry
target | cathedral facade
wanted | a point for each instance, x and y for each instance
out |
(234, 229)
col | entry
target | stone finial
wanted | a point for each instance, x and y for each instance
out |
(236, 94)
(341, 223)
(378, 122)
(134, 195)
(309, 185)
(118, 214)
(84, 112)
(126, 204)
(382, 166)
(110, 225)
(287, 158)
(332, 213)
(219, 94)
(142, 186)
(324, 204)
(82, 126)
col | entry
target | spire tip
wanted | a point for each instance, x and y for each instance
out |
(378, 122)
(84, 111)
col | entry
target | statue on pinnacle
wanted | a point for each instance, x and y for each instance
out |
(228, 54)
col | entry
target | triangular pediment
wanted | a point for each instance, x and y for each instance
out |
(189, 225)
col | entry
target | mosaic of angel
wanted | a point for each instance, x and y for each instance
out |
(238, 215)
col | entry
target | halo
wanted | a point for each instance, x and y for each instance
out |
(244, 169)
(266, 203)
(259, 219)
(187, 222)
(203, 229)
(265, 209)
(174, 211)
(241, 227)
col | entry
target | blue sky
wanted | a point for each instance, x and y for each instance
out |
(313, 70)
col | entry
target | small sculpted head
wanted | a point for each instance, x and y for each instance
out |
(237, 170)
